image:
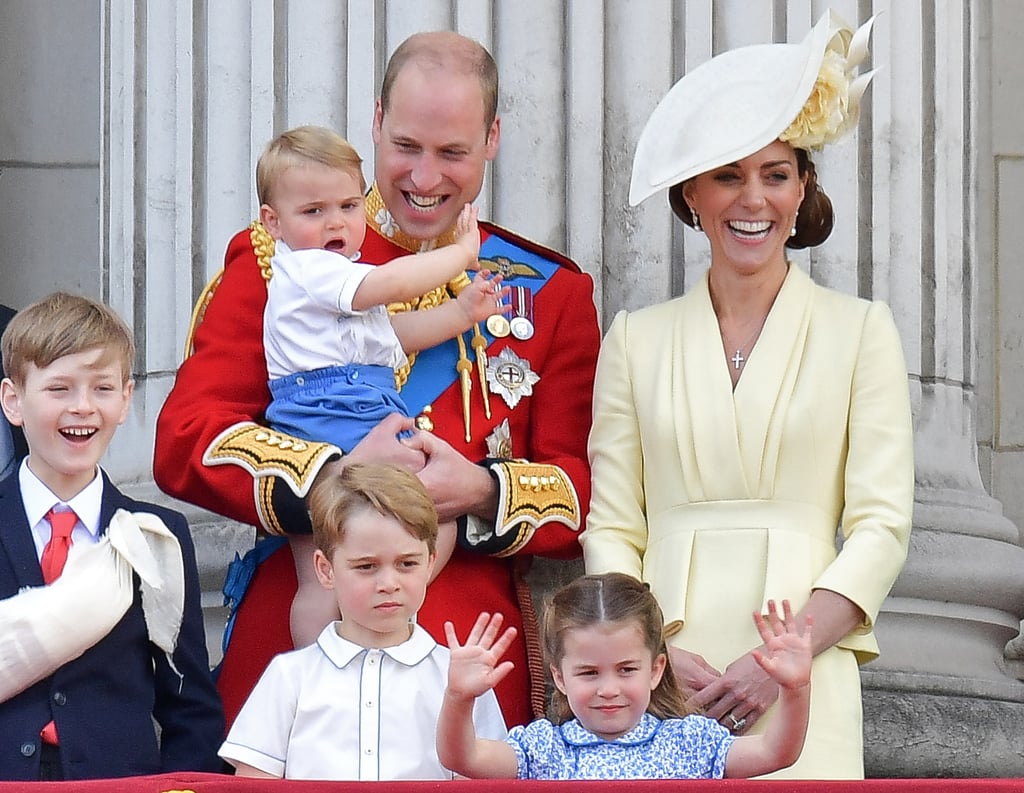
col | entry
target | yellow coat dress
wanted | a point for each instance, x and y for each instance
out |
(723, 499)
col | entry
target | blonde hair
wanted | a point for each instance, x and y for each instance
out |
(300, 146)
(599, 600)
(386, 489)
(64, 324)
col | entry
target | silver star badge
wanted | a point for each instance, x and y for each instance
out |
(511, 376)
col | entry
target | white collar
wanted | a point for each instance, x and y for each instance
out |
(341, 651)
(39, 499)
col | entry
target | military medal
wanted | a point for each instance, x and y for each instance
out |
(521, 324)
(511, 377)
(498, 326)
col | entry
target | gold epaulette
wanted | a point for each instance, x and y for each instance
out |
(265, 453)
(530, 495)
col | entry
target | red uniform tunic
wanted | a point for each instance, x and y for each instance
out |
(209, 453)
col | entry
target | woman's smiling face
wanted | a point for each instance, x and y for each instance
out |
(748, 208)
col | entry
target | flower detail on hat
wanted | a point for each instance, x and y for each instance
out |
(833, 107)
(823, 117)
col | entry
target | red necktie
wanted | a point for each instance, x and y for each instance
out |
(55, 554)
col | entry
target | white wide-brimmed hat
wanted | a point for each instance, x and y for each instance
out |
(741, 100)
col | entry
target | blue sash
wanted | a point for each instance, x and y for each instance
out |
(434, 372)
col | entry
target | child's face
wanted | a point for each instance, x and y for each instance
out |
(316, 206)
(69, 411)
(379, 573)
(607, 674)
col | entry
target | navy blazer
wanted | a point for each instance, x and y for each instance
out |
(105, 702)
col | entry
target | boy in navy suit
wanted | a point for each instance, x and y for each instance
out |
(101, 631)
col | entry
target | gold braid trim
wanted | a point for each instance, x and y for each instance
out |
(200, 311)
(264, 487)
(434, 297)
(530, 495)
(531, 638)
(263, 247)
(265, 453)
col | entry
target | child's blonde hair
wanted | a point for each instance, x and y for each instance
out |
(64, 324)
(386, 489)
(610, 598)
(300, 146)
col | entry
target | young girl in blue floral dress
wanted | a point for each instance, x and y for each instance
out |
(618, 711)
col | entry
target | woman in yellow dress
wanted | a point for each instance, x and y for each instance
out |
(740, 428)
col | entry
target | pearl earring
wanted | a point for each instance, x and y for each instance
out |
(792, 231)
(696, 220)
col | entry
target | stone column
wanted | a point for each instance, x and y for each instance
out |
(939, 700)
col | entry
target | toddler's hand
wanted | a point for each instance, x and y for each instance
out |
(482, 297)
(787, 654)
(467, 234)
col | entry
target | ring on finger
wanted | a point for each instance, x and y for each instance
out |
(737, 724)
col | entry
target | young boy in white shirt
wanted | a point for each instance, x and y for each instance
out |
(362, 702)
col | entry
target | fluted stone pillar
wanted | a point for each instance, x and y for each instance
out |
(940, 700)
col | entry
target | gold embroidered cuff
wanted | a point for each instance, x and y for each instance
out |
(530, 495)
(265, 453)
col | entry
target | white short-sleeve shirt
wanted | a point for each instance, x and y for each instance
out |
(335, 710)
(309, 322)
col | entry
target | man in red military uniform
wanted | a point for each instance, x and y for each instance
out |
(505, 409)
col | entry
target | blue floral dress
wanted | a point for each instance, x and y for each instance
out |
(690, 748)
